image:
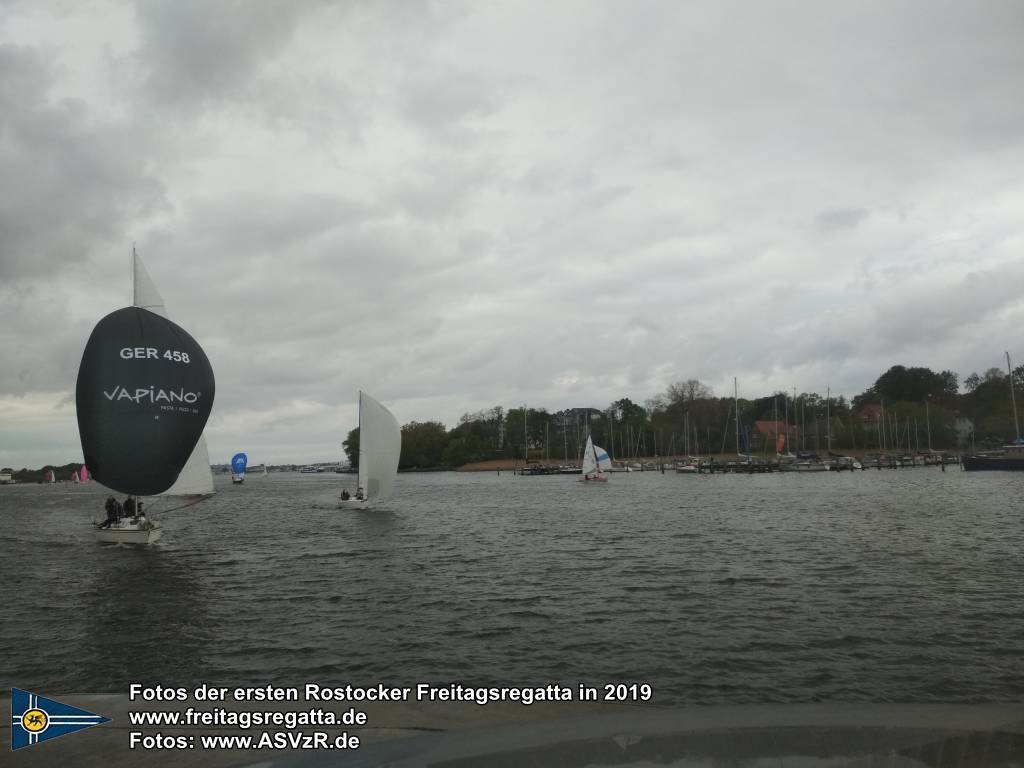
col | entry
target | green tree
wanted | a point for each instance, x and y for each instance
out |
(423, 444)
(351, 446)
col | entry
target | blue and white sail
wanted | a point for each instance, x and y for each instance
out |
(238, 463)
(594, 462)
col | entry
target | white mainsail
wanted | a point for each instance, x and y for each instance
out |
(380, 446)
(196, 478)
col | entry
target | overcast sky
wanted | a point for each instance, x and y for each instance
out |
(458, 205)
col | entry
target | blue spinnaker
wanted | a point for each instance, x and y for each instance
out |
(238, 462)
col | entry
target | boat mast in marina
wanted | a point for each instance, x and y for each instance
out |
(1013, 398)
(928, 422)
(828, 418)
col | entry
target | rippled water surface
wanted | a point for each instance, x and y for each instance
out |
(884, 586)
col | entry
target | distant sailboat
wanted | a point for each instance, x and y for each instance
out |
(144, 393)
(595, 462)
(83, 476)
(380, 447)
(238, 462)
(50, 476)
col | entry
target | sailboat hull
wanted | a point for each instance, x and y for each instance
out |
(127, 532)
(594, 479)
(355, 503)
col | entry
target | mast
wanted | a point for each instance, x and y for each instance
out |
(526, 440)
(736, 398)
(785, 418)
(1013, 399)
(928, 423)
(881, 421)
(828, 419)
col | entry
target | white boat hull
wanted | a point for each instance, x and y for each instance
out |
(238, 479)
(594, 478)
(802, 467)
(128, 532)
(355, 503)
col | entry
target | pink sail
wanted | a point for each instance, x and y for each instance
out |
(84, 477)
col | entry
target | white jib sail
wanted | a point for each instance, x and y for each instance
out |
(196, 477)
(380, 445)
(604, 462)
(589, 463)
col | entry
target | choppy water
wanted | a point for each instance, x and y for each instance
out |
(883, 586)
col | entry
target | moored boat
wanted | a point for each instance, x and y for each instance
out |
(1009, 459)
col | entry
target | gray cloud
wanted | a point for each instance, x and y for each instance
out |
(464, 205)
(836, 219)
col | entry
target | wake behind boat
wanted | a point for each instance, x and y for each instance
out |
(145, 390)
(380, 447)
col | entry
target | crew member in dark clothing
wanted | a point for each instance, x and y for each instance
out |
(111, 507)
(345, 496)
(129, 507)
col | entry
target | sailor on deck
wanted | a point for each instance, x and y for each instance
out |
(111, 507)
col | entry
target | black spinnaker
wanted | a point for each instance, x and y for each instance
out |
(145, 390)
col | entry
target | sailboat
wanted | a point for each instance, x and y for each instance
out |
(50, 476)
(595, 462)
(238, 462)
(380, 447)
(145, 390)
(83, 476)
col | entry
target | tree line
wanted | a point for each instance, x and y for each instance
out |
(907, 408)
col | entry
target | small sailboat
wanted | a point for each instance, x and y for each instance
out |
(380, 447)
(238, 462)
(83, 476)
(595, 463)
(145, 390)
(50, 476)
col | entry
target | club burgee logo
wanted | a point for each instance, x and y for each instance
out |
(37, 718)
